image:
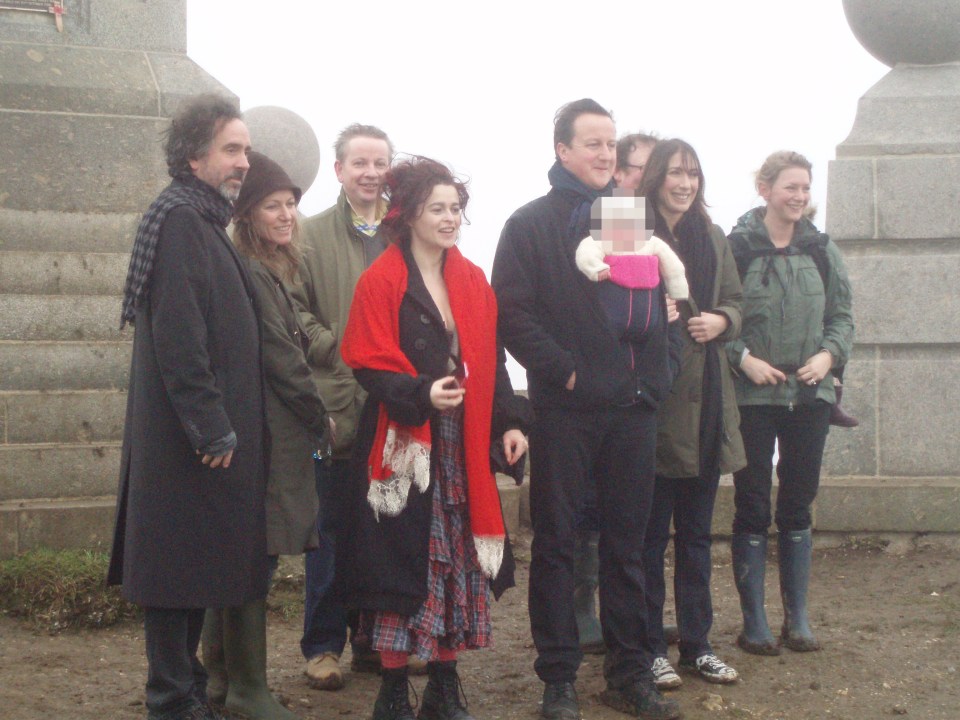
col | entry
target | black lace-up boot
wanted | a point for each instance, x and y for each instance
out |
(393, 702)
(442, 696)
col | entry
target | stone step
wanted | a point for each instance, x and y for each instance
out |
(50, 231)
(888, 508)
(56, 471)
(63, 273)
(35, 365)
(854, 505)
(60, 317)
(74, 524)
(60, 161)
(56, 417)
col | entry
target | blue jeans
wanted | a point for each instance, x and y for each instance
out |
(324, 618)
(689, 503)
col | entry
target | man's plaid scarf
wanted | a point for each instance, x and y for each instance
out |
(184, 190)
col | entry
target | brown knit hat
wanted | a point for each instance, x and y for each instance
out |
(263, 177)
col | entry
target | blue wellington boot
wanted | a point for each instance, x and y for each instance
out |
(795, 547)
(749, 570)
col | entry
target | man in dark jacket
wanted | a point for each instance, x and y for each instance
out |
(594, 415)
(190, 528)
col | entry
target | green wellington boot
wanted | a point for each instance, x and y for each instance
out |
(211, 642)
(795, 548)
(586, 569)
(245, 655)
(749, 571)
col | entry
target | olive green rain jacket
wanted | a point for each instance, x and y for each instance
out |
(789, 312)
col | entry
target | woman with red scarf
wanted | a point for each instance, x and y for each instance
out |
(428, 540)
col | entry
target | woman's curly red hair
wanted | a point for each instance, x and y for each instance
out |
(407, 185)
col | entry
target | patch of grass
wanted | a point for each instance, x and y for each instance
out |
(55, 590)
(870, 543)
(951, 614)
(286, 595)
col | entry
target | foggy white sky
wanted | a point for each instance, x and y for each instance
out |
(476, 84)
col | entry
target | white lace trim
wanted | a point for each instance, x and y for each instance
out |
(410, 461)
(489, 554)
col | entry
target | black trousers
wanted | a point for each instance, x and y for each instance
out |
(688, 502)
(800, 434)
(617, 446)
(175, 677)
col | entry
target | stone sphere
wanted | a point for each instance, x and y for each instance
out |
(921, 32)
(287, 138)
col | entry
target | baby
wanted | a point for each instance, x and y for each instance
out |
(622, 249)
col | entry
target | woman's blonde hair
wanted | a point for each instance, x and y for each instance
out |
(281, 260)
(779, 161)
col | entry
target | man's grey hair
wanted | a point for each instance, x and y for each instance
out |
(358, 130)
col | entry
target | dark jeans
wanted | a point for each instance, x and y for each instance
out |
(689, 502)
(324, 618)
(617, 447)
(175, 677)
(801, 434)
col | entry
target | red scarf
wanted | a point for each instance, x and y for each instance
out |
(400, 455)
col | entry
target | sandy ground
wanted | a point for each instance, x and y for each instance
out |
(889, 623)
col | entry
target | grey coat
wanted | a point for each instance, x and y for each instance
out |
(187, 536)
(296, 418)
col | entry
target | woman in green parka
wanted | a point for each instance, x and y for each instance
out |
(697, 429)
(266, 235)
(797, 326)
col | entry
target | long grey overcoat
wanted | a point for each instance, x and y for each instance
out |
(187, 536)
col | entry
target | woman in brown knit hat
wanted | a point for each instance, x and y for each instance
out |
(266, 234)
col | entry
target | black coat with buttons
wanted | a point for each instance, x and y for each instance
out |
(186, 535)
(382, 565)
(552, 321)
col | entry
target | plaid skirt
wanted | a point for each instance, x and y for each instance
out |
(456, 613)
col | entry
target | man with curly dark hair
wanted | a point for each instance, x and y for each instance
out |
(190, 529)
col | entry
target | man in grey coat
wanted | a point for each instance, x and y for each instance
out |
(190, 528)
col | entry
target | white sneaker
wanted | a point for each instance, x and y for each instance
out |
(712, 669)
(664, 676)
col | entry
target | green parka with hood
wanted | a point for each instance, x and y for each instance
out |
(678, 430)
(789, 314)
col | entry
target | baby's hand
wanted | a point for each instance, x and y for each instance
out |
(603, 275)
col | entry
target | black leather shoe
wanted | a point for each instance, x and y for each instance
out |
(560, 702)
(641, 699)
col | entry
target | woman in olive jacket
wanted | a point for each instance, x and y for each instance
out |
(797, 327)
(698, 428)
(265, 232)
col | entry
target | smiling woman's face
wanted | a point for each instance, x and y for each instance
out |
(679, 188)
(438, 224)
(274, 217)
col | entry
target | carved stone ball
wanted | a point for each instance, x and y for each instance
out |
(287, 138)
(920, 32)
